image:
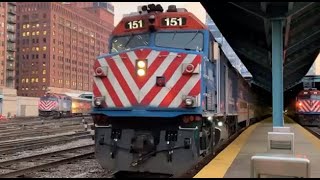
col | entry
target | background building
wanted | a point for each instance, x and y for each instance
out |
(8, 92)
(57, 45)
(7, 44)
(103, 10)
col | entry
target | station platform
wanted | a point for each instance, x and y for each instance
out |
(235, 160)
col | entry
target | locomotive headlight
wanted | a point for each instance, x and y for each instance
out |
(141, 64)
(141, 72)
(98, 101)
(141, 67)
(220, 123)
(188, 101)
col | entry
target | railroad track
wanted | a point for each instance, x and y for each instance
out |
(40, 129)
(314, 130)
(10, 147)
(39, 132)
(21, 166)
(40, 121)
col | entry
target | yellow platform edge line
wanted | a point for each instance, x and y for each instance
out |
(218, 167)
(313, 139)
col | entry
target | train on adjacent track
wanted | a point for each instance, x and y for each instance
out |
(166, 96)
(62, 105)
(307, 107)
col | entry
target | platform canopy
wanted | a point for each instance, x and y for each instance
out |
(247, 28)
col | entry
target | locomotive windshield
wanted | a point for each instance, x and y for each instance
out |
(180, 40)
(304, 96)
(48, 98)
(121, 43)
(315, 97)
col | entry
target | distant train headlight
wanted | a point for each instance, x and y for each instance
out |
(220, 123)
(189, 101)
(141, 72)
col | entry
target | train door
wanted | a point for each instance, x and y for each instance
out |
(211, 88)
(226, 89)
(222, 88)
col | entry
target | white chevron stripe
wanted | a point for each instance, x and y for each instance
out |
(185, 90)
(132, 56)
(127, 76)
(118, 89)
(47, 105)
(140, 94)
(116, 86)
(159, 72)
(173, 80)
(304, 106)
(314, 105)
(104, 91)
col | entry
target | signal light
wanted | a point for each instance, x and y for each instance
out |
(189, 68)
(141, 67)
(101, 71)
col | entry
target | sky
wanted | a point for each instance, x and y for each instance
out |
(121, 8)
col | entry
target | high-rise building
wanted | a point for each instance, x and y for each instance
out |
(56, 48)
(104, 10)
(93, 5)
(7, 44)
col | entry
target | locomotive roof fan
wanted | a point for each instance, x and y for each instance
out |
(150, 8)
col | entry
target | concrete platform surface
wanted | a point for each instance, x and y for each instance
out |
(235, 160)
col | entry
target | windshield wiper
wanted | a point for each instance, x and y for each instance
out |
(190, 41)
(174, 35)
(130, 38)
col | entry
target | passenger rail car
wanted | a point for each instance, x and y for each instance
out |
(165, 95)
(308, 107)
(61, 105)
